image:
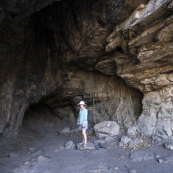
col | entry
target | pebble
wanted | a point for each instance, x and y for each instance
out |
(31, 148)
(132, 171)
(120, 144)
(41, 158)
(131, 130)
(69, 145)
(157, 157)
(36, 153)
(27, 163)
(117, 170)
(125, 140)
(135, 141)
(161, 160)
(169, 145)
(13, 155)
(66, 130)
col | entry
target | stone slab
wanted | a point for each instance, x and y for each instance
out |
(90, 146)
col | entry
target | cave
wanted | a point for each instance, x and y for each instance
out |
(116, 55)
(58, 61)
(108, 98)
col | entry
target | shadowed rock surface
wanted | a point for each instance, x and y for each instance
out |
(113, 54)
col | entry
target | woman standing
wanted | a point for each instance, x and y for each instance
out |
(83, 122)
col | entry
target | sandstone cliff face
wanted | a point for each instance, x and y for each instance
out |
(57, 53)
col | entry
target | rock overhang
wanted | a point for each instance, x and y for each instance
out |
(50, 44)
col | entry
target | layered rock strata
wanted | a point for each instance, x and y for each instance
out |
(146, 41)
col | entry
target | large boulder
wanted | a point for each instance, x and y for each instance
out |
(106, 128)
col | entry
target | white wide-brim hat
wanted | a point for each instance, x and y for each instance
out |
(81, 103)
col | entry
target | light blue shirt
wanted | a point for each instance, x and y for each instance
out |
(83, 115)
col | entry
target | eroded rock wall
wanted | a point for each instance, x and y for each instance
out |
(107, 98)
(29, 69)
(146, 63)
(157, 115)
(41, 51)
(52, 53)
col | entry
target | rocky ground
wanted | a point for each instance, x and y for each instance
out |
(41, 148)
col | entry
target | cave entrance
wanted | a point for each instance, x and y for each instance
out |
(107, 98)
(55, 29)
(40, 116)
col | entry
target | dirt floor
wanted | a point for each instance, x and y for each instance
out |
(40, 149)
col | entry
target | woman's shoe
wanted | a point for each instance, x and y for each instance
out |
(81, 143)
(84, 145)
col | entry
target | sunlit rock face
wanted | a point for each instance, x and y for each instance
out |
(56, 53)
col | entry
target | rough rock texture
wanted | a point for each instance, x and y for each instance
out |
(125, 140)
(43, 53)
(131, 130)
(106, 128)
(69, 145)
(156, 118)
(55, 53)
(169, 145)
(145, 63)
